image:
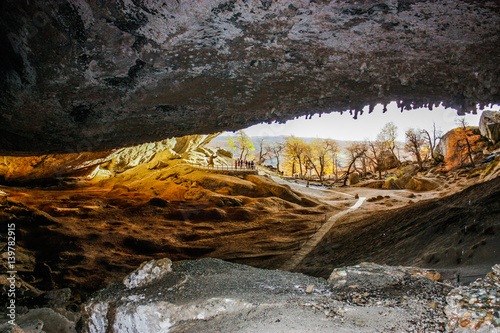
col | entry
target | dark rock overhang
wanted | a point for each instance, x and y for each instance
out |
(88, 75)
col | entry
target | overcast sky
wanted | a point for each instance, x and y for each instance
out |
(344, 127)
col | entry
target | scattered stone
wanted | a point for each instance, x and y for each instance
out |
(476, 307)
(310, 289)
(210, 295)
(409, 288)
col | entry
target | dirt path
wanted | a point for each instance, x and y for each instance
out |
(317, 237)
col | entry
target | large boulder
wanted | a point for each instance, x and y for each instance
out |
(390, 184)
(389, 161)
(489, 125)
(444, 145)
(421, 184)
(353, 178)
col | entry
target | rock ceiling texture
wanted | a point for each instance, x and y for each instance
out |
(89, 75)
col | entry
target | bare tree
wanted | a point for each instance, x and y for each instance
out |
(275, 150)
(433, 139)
(387, 137)
(464, 143)
(356, 150)
(414, 143)
(264, 154)
(375, 153)
(335, 163)
(242, 142)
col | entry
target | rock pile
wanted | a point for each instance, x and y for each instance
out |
(476, 308)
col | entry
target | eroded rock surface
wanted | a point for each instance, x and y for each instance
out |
(54, 167)
(108, 74)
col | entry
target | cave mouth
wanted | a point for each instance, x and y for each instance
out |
(108, 161)
(188, 198)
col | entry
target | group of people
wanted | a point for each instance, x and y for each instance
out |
(244, 164)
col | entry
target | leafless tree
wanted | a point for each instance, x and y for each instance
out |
(375, 153)
(275, 150)
(433, 139)
(356, 150)
(414, 143)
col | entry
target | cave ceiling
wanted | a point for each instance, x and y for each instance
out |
(90, 75)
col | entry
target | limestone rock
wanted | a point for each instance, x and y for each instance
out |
(148, 272)
(224, 153)
(372, 184)
(410, 170)
(489, 125)
(108, 163)
(492, 169)
(402, 181)
(443, 147)
(19, 169)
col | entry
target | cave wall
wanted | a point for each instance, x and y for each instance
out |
(90, 75)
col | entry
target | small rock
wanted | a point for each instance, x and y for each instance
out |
(433, 305)
(310, 289)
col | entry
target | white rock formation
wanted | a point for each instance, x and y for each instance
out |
(148, 272)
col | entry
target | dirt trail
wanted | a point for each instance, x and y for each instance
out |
(317, 237)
